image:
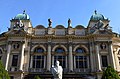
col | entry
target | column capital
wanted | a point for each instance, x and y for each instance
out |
(96, 42)
(109, 42)
(70, 43)
(49, 43)
(9, 42)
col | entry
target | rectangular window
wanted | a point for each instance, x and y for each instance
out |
(61, 59)
(0, 57)
(81, 62)
(119, 60)
(38, 62)
(104, 61)
(14, 60)
(11, 77)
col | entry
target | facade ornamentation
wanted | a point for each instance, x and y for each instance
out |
(27, 51)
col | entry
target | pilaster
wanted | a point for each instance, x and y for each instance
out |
(91, 57)
(70, 56)
(98, 57)
(22, 57)
(111, 55)
(49, 56)
(8, 55)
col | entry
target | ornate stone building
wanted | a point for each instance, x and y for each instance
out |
(83, 52)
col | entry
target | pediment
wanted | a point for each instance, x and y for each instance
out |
(16, 32)
(102, 31)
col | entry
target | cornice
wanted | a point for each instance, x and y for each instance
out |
(15, 35)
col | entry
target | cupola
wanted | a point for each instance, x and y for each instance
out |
(22, 16)
(96, 16)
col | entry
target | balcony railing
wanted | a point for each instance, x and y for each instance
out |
(13, 69)
(36, 70)
(81, 70)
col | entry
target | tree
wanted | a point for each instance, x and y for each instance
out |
(3, 72)
(36, 77)
(110, 73)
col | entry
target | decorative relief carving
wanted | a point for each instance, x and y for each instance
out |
(103, 46)
(60, 31)
(79, 32)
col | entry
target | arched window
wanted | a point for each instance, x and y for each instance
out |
(59, 55)
(38, 59)
(59, 50)
(39, 50)
(80, 58)
(80, 50)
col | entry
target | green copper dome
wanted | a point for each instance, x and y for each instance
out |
(23, 16)
(97, 16)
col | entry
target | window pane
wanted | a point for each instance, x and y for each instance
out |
(81, 61)
(39, 50)
(38, 61)
(80, 50)
(0, 51)
(61, 59)
(104, 61)
(14, 60)
(59, 50)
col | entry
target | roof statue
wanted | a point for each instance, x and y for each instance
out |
(69, 22)
(24, 11)
(49, 22)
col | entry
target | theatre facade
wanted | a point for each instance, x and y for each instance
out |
(83, 51)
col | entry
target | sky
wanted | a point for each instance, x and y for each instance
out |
(79, 11)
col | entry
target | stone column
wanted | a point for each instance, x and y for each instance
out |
(98, 58)
(111, 55)
(70, 58)
(49, 57)
(22, 57)
(7, 56)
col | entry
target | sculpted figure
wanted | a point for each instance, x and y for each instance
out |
(57, 70)
(49, 22)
